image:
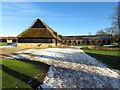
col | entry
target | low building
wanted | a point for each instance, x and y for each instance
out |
(8, 39)
(38, 34)
(87, 39)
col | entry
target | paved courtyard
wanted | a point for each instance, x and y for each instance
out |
(72, 68)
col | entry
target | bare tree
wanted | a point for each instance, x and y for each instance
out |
(89, 33)
(104, 32)
(114, 30)
(116, 24)
(115, 18)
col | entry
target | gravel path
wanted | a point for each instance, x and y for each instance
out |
(7, 50)
(72, 68)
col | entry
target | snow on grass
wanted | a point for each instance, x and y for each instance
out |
(72, 68)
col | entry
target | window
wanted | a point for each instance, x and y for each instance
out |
(74, 41)
(69, 41)
(98, 41)
(65, 42)
(78, 42)
(83, 41)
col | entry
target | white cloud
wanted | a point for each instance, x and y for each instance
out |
(26, 8)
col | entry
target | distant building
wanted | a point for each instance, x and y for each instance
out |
(88, 39)
(38, 34)
(8, 39)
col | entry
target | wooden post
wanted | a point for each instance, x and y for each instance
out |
(56, 42)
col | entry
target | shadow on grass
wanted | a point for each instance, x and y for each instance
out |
(38, 63)
(43, 67)
(4, 55)
(34, 82)
(112, 61)
(23, 59)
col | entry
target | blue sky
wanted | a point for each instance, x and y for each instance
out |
(78, 18)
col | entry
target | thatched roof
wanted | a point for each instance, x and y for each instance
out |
(39, 30)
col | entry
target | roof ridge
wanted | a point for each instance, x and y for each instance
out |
(35, 21)
(50, 30)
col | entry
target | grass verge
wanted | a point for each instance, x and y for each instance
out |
(3, 43)
(109, 57)
(22, 73)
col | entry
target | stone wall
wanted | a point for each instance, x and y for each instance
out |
(35, 45)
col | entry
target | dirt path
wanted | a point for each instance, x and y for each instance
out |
(72, 68)
(6, 51)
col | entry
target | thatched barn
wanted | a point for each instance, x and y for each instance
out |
(38, 34)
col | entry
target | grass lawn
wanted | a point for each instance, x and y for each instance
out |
(109, 57)
(22, 73)
(3, 43)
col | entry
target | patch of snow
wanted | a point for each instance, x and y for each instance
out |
(44, 86)
(72, 68)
